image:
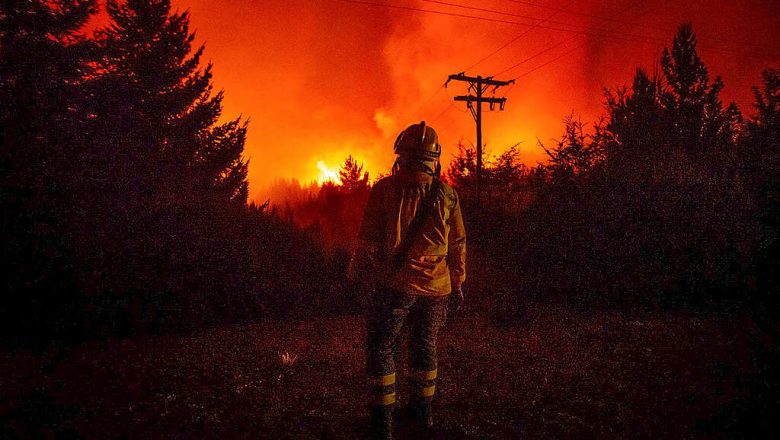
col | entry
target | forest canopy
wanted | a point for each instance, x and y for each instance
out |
(123, 193)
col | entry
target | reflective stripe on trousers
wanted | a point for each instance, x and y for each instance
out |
(382, 389)
(423, 383)
(387, 314)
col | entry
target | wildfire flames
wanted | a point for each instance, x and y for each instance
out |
(327, 174)
(351, 75)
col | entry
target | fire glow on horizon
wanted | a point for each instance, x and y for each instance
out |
(322, 80)
(327, 174)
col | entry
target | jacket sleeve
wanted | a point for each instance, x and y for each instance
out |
(456, 252)
(366, 257)
(372, 227)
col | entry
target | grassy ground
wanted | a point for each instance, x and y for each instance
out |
(559, 374)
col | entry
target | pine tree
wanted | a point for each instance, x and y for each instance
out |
(167, 184)
(463, 167)
(43, 64)
(692, 103)
(634, 119)
(43, 61)
(352, 177)
(507, 170)
(766, 123)
(574, 152)
(762, 168)
(156, 104)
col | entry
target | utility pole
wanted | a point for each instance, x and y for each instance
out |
(478, 86)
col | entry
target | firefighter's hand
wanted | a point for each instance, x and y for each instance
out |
(456, 300)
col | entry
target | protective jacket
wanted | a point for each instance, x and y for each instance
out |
(436, 262)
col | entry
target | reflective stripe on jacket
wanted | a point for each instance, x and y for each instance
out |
(436, 263)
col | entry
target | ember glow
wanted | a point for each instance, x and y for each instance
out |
(322, 80)
(327, 174)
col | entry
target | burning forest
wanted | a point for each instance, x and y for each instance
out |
(389, 219)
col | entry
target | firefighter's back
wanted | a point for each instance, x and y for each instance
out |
(437, 249)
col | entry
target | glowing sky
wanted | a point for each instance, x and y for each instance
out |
(324, 79)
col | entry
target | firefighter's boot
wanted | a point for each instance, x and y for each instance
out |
(425, 412)
(423, 386)
(381, 423)
(382, 405)
(421, 412)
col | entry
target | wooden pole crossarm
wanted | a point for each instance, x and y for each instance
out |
(479, 85)
(470, 98)
(489, 81)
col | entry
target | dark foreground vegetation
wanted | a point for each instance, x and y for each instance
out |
(626, 289)
(562, 375)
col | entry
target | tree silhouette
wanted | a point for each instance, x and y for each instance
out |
(352, 177)
(167, 177)
(462, 169)
(651, 206)
(574, 152)
(762, 167)
(43, 62)
(507, 169)
(635, 127)
(766, 122)
(122, 196)
(158, 110)
(691, 100)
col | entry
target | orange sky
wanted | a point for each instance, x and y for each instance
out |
(324, 79)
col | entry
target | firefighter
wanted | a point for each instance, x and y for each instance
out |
(412, 252)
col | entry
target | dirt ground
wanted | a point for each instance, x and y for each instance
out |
(557, 374)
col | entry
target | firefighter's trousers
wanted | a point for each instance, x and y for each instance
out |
(388, 311)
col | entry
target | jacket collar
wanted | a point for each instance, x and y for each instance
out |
(415, 176)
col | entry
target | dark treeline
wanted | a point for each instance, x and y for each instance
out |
(123, 199)
(330, 211)
(670, 200)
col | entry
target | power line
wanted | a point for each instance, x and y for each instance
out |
(512, 82)
(550, 61)
(505, 45)
(475, 17)
(506, 14)
(541, 52)
(635, 24)
(550, 48)
(446, 109)
(580, 14)
(479, 85)
(449, 100)
(586, 31)
(570, 51)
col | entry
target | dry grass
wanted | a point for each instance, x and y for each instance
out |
(560, 375)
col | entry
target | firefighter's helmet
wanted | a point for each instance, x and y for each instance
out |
(418, 140)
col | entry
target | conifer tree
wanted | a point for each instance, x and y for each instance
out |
(765, 126)
(691, 101)
(43, 63)
(462, 169)
(762, 165)
(635, 118)
(574, 152)
(158, 107)
(507, 169)
(352, 177)
(42, 67)
(165, 173)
